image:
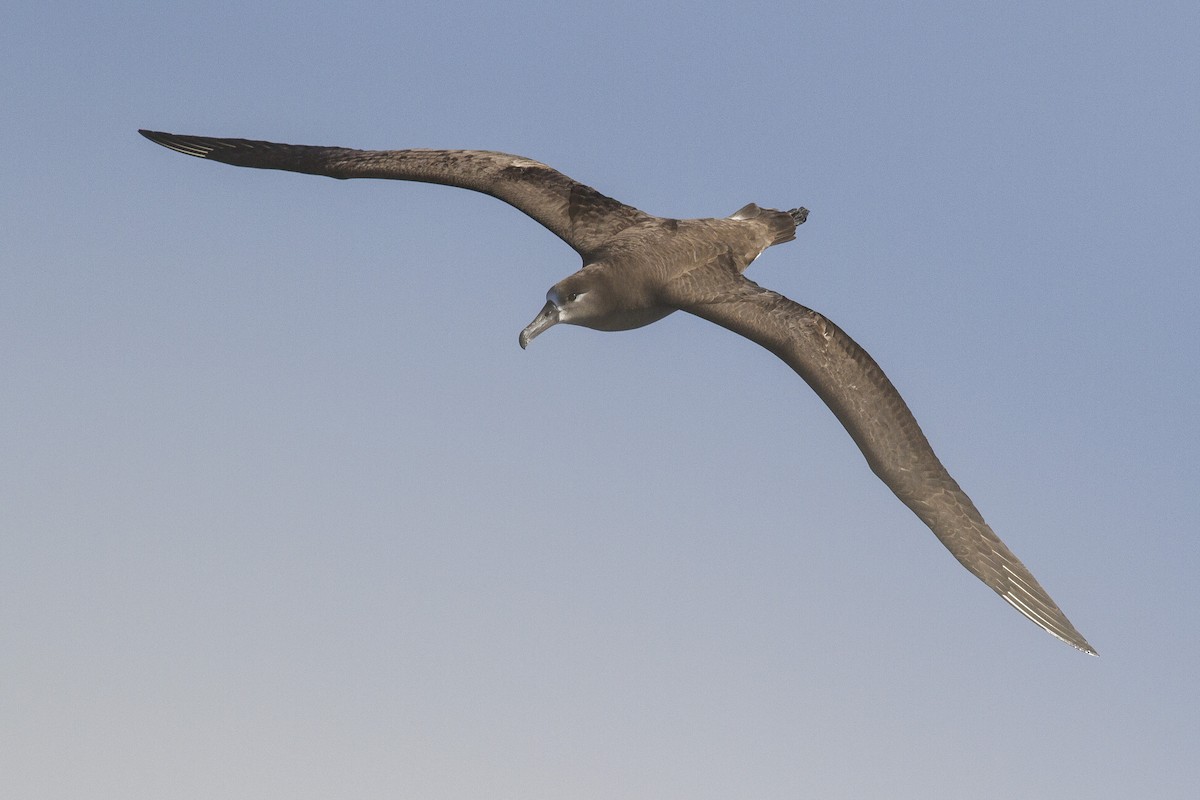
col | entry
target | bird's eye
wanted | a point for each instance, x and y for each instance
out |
(572, 297)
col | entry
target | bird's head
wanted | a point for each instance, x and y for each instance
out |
(576, 300)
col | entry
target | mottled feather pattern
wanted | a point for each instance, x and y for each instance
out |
(578, 214)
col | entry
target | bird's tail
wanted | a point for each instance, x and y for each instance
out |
(782, 223)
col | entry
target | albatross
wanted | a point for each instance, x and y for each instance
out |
(638, 268)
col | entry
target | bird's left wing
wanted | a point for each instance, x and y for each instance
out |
(578, 214)
(868, 405)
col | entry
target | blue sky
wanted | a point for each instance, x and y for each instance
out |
(286, 512)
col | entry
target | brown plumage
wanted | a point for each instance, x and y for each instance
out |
(638, 268)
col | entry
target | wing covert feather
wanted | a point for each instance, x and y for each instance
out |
(849, 381)
(578, 214)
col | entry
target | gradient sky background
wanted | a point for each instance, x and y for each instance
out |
(285, 512)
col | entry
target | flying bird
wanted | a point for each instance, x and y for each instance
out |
(638, 268)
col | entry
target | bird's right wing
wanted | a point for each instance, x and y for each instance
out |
(576, 213)
(876, 416)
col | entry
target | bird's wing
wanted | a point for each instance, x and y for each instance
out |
(868, 405)
(578, 214)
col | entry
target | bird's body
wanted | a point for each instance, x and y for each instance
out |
(638, 268)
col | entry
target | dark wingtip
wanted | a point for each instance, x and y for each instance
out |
(188, 145)
(1076, 640)
(1083, 646)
